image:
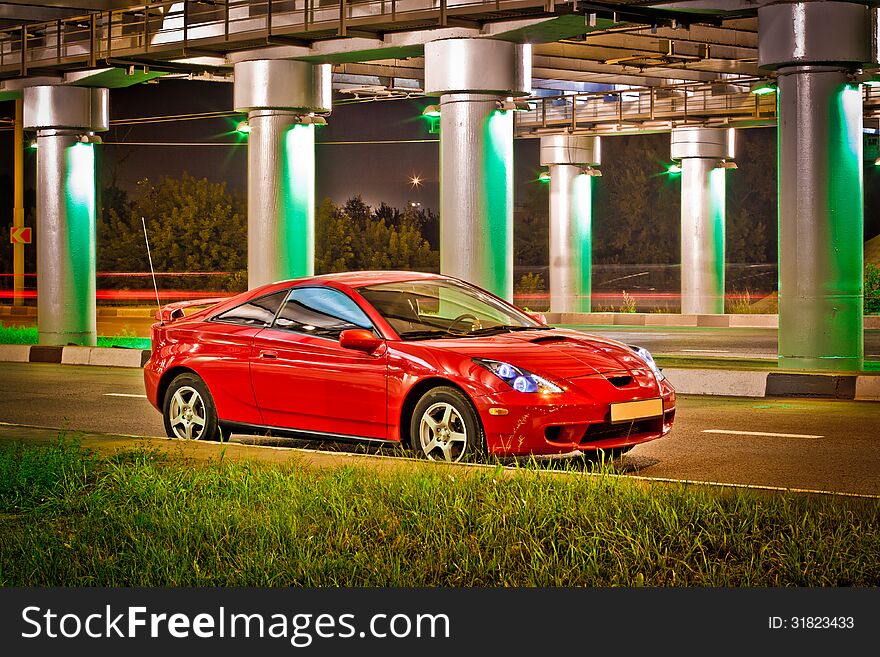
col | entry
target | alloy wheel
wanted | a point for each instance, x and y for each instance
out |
(187, 413)
(442, 433)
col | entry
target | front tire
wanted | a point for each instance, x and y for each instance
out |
(188, 410)
(445, 426)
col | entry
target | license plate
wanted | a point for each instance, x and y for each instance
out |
(636, 410)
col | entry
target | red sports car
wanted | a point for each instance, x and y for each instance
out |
(421, 359)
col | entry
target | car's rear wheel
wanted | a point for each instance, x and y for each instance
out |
(445, 426)
(189, 411)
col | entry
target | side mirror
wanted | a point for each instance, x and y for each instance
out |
(541, 318)
(359, 340)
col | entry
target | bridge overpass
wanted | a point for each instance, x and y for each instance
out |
(570, 73)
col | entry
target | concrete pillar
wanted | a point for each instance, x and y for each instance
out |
(570, 159)
(702, 153)
(815, 47)
(473, 78)
(66, 119)
(280, 98)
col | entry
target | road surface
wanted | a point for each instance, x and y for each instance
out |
(803, 444)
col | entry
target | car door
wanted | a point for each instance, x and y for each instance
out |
(221, 351)
(303, 379)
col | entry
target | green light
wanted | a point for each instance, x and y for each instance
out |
(498, 203)
(81, 180)
(80, 231)
(243, 127)
(582, 237)
(821, 290)
(674, 168)
(297, 224)
(718, 192)
(544, 177)
(33, 144)
(431, 111)
(763, 87)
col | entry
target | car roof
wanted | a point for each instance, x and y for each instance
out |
(356, 279)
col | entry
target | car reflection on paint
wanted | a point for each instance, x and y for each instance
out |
(425, 360)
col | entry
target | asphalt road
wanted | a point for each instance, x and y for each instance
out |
(828, 446)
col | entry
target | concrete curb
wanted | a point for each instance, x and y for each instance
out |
(72, 355)
(674, 319)
(687, 381)
(728, 383)
(764, 383)
(15, 353)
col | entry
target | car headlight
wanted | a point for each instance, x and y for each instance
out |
(517, 378)
(646, 356)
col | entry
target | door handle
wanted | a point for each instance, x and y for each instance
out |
(270, 355)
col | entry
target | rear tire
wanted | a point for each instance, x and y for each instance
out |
(188, 410)
(445, 426)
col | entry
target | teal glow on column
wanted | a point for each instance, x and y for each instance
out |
(79, 295)
(281, 197)
(65, 240)
(582, 241)
(718, 196)
(498, 205)
(296, 225)
(702, 236)
(821, 218)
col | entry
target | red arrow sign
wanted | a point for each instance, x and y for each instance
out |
(21, 235)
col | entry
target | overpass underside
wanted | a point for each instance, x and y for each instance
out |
(570, 74)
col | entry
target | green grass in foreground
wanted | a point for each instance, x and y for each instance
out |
(144, 519)
(28, 335)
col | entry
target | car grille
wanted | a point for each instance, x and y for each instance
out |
(606, 430)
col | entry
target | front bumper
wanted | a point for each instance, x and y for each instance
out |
(577, 420)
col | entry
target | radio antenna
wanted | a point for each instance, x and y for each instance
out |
(152, 271)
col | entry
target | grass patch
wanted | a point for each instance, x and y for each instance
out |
(145, 519)
(29, 335)
(18, 334)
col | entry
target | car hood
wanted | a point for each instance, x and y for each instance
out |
(560, 353)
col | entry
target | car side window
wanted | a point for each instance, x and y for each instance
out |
(257, 312)
(321, 311)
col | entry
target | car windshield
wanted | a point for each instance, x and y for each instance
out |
(436, 308)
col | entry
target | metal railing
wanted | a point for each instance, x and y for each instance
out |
(727, 102)
(639, 109)
(191, 28)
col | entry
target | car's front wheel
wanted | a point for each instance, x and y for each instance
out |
(189, 411)
(445, 426)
